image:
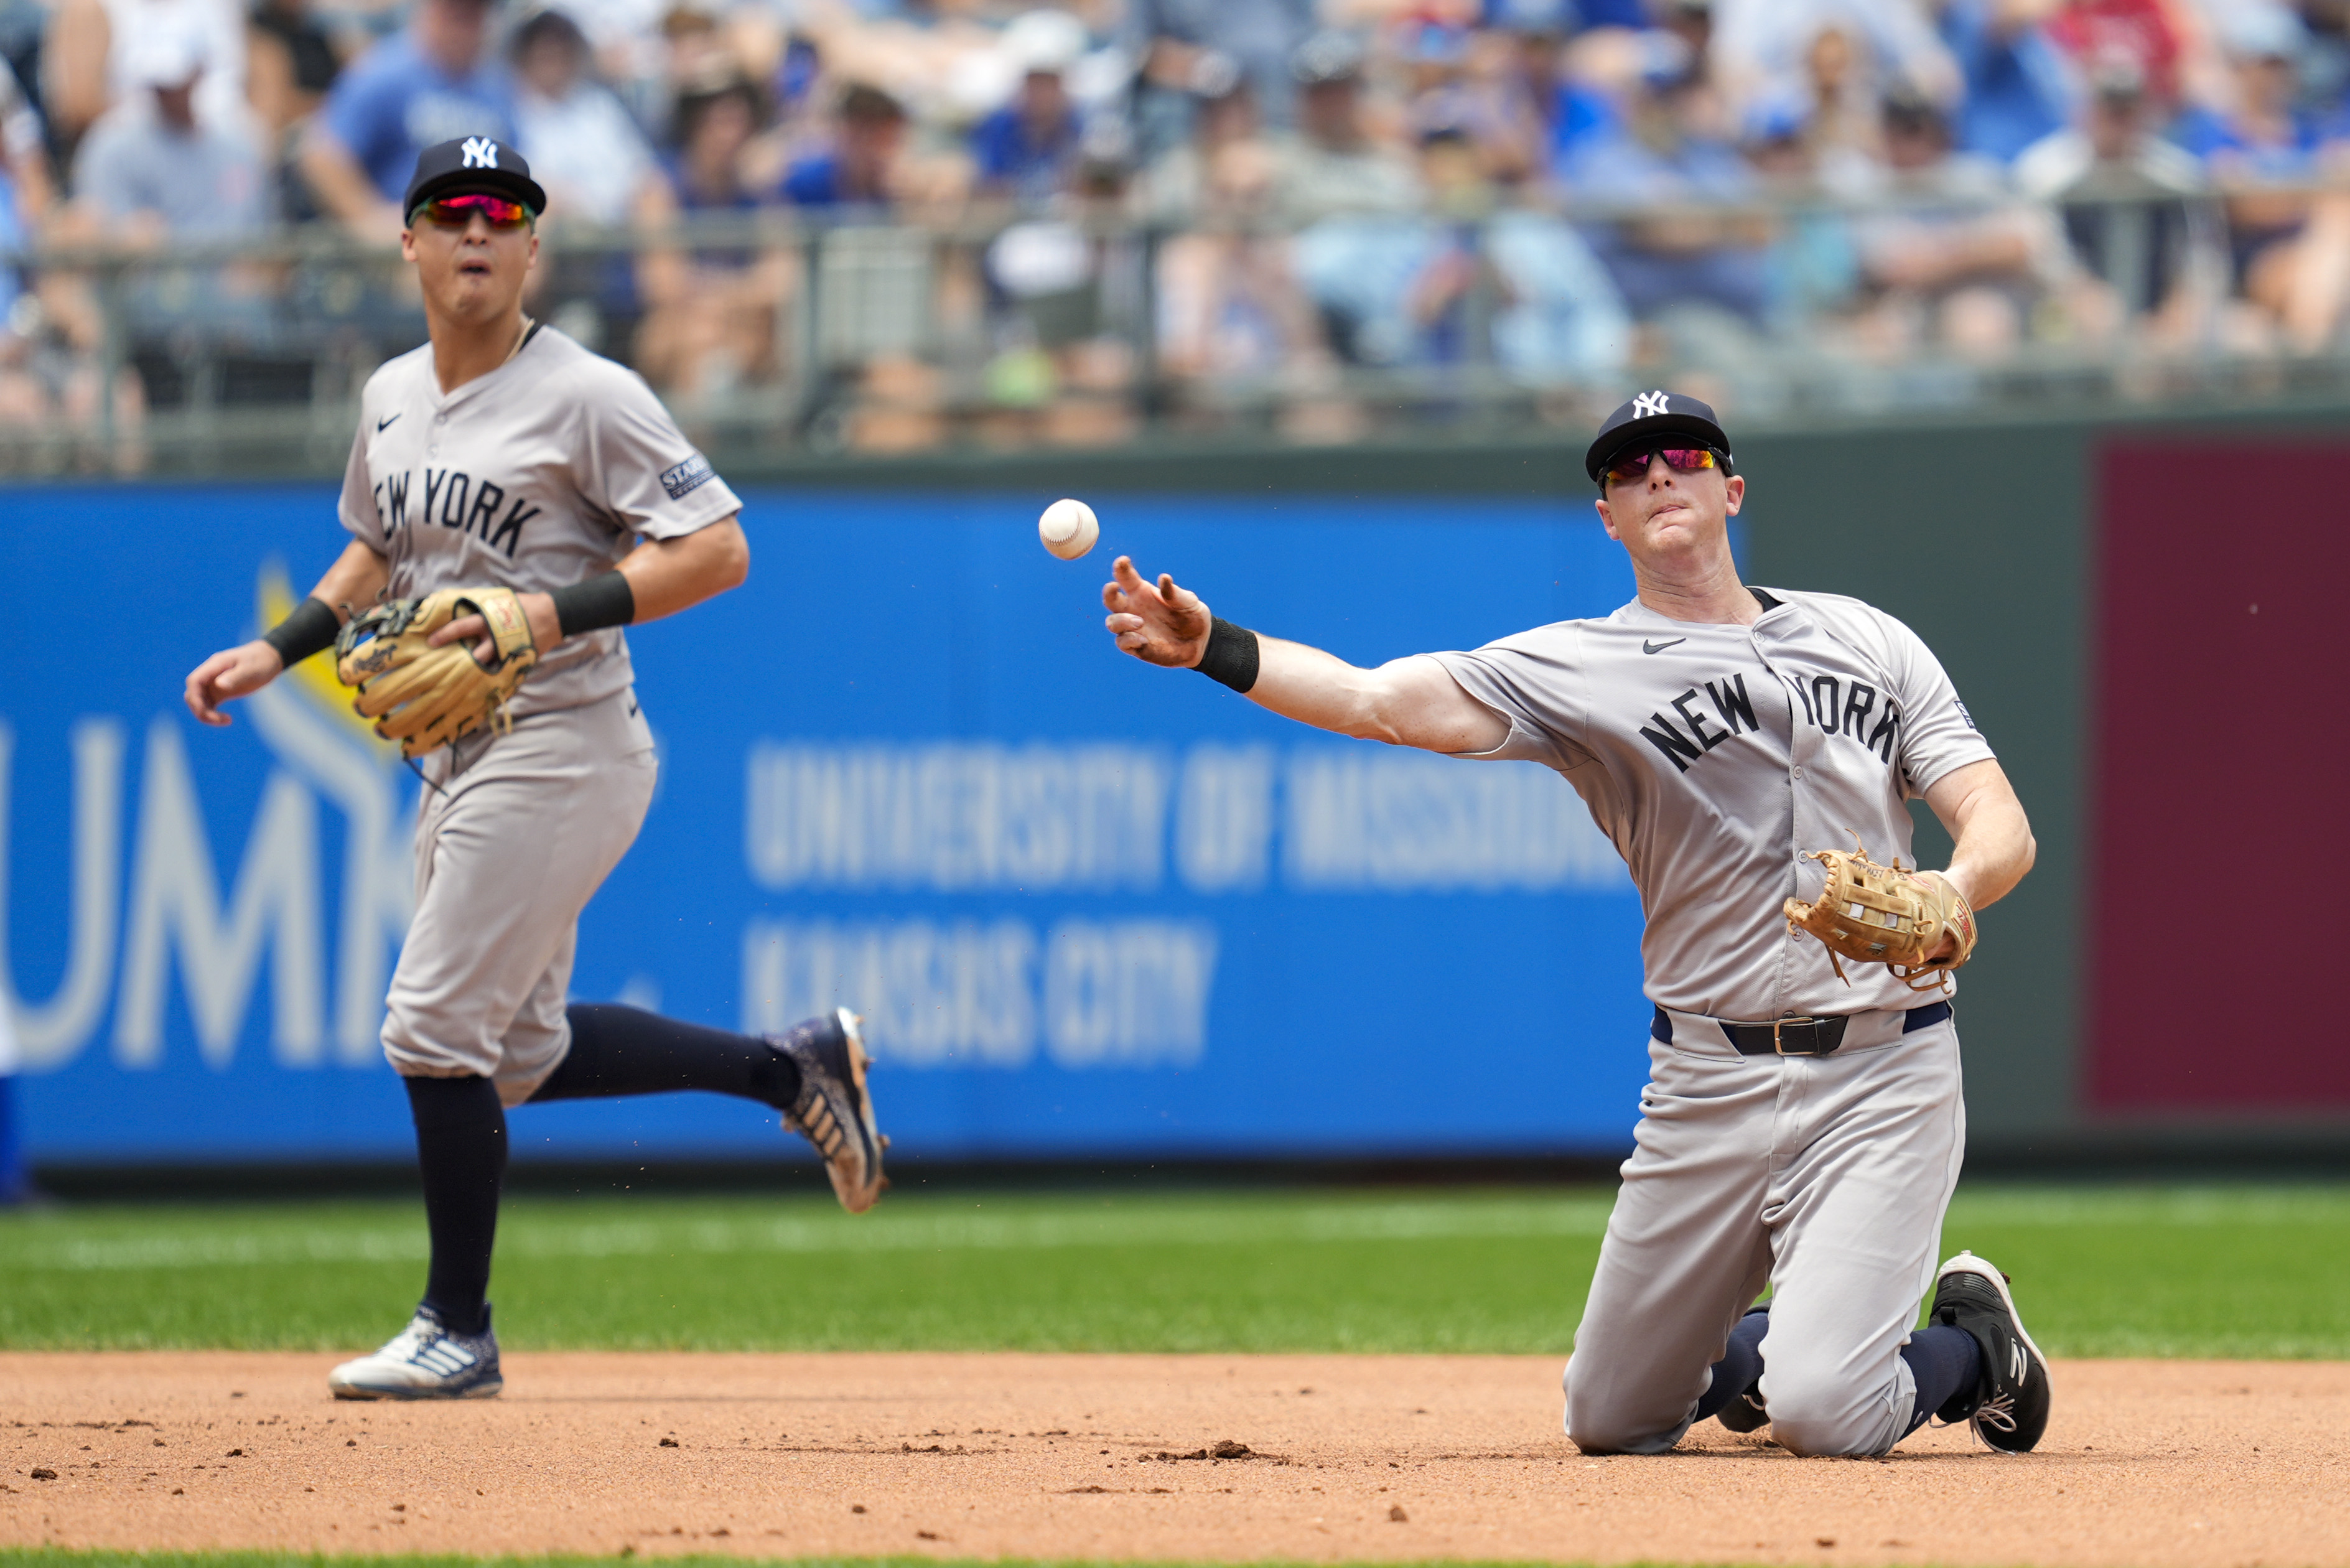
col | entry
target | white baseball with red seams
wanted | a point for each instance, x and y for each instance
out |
(1068, 528)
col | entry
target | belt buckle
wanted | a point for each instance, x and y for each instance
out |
(1778, 1023)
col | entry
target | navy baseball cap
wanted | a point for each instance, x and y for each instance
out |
(1648, 417)
(472, 165)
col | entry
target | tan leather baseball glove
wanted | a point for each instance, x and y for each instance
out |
(1887, 915)
(425, 697)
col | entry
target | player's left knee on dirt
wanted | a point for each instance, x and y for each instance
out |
(1818, 1415)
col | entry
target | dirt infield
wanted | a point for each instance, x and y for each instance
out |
(1113, 1456)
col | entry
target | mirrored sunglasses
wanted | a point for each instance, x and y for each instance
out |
(1634, 465)
(456, 211)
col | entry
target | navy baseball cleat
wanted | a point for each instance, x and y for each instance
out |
(425, 1360)
(834, 1110)
(2008, 1407)
(1746, 1412)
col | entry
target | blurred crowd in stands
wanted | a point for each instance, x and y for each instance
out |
(1036, 212)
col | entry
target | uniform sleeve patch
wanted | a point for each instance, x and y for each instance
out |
(687, 477)
(1970, 718)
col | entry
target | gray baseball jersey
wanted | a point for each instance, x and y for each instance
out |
(532, 477)
(1715, 756)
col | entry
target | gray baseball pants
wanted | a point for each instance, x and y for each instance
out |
(1826, 1177)
(516, 832)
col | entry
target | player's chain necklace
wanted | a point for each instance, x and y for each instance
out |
(521, 338)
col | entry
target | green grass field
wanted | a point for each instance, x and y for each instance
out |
(2258, 1272)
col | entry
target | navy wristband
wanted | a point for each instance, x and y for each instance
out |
(310, 629)
(1232, 656)
(602, 600)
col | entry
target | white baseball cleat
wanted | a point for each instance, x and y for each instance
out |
(834, 1110)
(424, 1361)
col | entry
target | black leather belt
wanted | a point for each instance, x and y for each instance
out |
(1799, 1036)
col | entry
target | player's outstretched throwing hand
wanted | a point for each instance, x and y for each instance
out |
(1157, 623)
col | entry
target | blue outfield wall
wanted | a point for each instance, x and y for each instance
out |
(1090, 908)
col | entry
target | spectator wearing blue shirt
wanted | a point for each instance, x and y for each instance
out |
(1664, 158)
(2020, 85)
(1812, 263)
(1194, 52)
(1632, 13)
(1565, 110)
(438, 81)
(2266, 135)
(714, 307)
(1947, 255)
(2266, 139)
(859, 171)
(1399, 290)
(1030, 149)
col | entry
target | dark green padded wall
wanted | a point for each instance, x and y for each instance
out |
(1978, 539)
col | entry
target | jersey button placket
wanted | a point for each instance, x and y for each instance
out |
(1800, 742)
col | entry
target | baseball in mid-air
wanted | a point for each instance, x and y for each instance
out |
(1068, 528)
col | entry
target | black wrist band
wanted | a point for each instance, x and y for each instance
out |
(310, 629)
(1230, 657)
(604, 600)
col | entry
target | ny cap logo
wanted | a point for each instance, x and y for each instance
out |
(1646, 406)
(481, 152)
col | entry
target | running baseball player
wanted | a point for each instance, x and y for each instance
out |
(523, 500)
(1797, 1131)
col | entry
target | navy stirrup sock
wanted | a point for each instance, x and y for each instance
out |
(1945, 1362)
(460, 1129)
(461, 1147)
(627, 1051)
(1739, 1365)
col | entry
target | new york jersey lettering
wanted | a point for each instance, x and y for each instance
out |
(1834, 708)
(1734, 712)
(456, 500)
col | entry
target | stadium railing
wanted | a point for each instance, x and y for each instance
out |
(770, 333)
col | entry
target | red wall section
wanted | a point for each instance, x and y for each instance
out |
(2220, 860)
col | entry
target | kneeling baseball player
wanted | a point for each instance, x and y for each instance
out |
(515, 501)
(1802, 1124)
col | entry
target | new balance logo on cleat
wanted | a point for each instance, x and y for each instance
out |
(2009, 1407)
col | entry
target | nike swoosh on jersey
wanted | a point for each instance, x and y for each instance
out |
(1647, 647)
(381, 424)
